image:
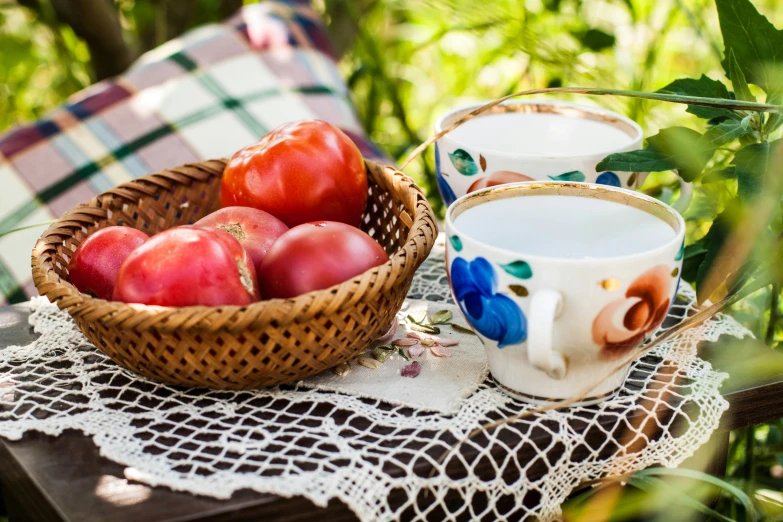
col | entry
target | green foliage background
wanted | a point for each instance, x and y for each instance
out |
(407, 61)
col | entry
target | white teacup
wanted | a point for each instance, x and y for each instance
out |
(561, 279)
(535, 141)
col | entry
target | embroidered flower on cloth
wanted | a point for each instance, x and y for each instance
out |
(624, 323)
(494, 315)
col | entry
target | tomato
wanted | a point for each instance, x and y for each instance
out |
(94, 266)
(300, 172)
(315, 256)
(186, 266)
(255, 229)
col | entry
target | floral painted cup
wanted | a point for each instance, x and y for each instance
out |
(561, 279)
(535, 141)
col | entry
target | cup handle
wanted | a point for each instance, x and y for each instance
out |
(545, 307)
(686, 192)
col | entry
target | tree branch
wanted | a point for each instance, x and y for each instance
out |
(98, 24)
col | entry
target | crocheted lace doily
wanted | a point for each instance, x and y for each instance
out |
(373, 456)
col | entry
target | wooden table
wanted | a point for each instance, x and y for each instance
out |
(65, 479)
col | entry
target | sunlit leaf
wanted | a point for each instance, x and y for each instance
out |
(737, 493)
(752, 164)
(756, 43)
(738, 82)
(674, 148)
(715, 175)
(704, 87)
(674, 495)
(686, 149)
(723, 133)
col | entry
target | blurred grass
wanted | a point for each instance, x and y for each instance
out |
(408, 61)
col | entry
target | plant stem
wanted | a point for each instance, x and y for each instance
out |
(659, 96)
(750, 444)
(774, 313)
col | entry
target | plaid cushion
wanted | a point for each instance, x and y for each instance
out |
(204, 95)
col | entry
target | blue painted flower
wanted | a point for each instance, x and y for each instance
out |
(609, 178)
(446, 191)
(494, 315)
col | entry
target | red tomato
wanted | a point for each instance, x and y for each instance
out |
(94, 266)
(186, 266)
(317, 255)
(255, 229)
(300, 172)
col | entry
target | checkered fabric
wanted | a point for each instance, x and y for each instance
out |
(205, 95)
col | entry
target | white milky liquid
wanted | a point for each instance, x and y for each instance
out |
(564, 226)
(540, 134)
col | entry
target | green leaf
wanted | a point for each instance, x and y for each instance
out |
(755, 42)
(694, 257)
(704, 87)
(684, 149)
(518, 269)
(441, 317)
(674, 495)
(674, 148)
(681, 252)
(463, 162)
(716, 175)
(775, 119)
(737, 493)
(713, 241)
(723, 133)
(752, 164)
(574, 175)
(456, 242)
(596, 39)
(642, 160)
(738, 82)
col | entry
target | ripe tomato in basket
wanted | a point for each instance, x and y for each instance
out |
(188, 266)
(255, 229)
(314, 256)
(300, 172)
(94, 266)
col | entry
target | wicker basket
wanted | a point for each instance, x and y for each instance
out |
(231, 347)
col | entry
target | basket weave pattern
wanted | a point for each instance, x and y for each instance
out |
(230, 347)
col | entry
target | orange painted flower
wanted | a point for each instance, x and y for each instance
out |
(626, 322)
(500, 177)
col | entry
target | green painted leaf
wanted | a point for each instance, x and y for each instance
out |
(519, 290)
(574, 175)
(704, 87)
(681, 252)
(456, 242)
(518, 269)
(463, 162)
(752, 164)
(738, 82)
(755, 42)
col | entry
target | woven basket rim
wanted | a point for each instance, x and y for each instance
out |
(67, 296)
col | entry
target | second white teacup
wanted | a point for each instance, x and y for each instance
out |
(535, 141)
(560, 280)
